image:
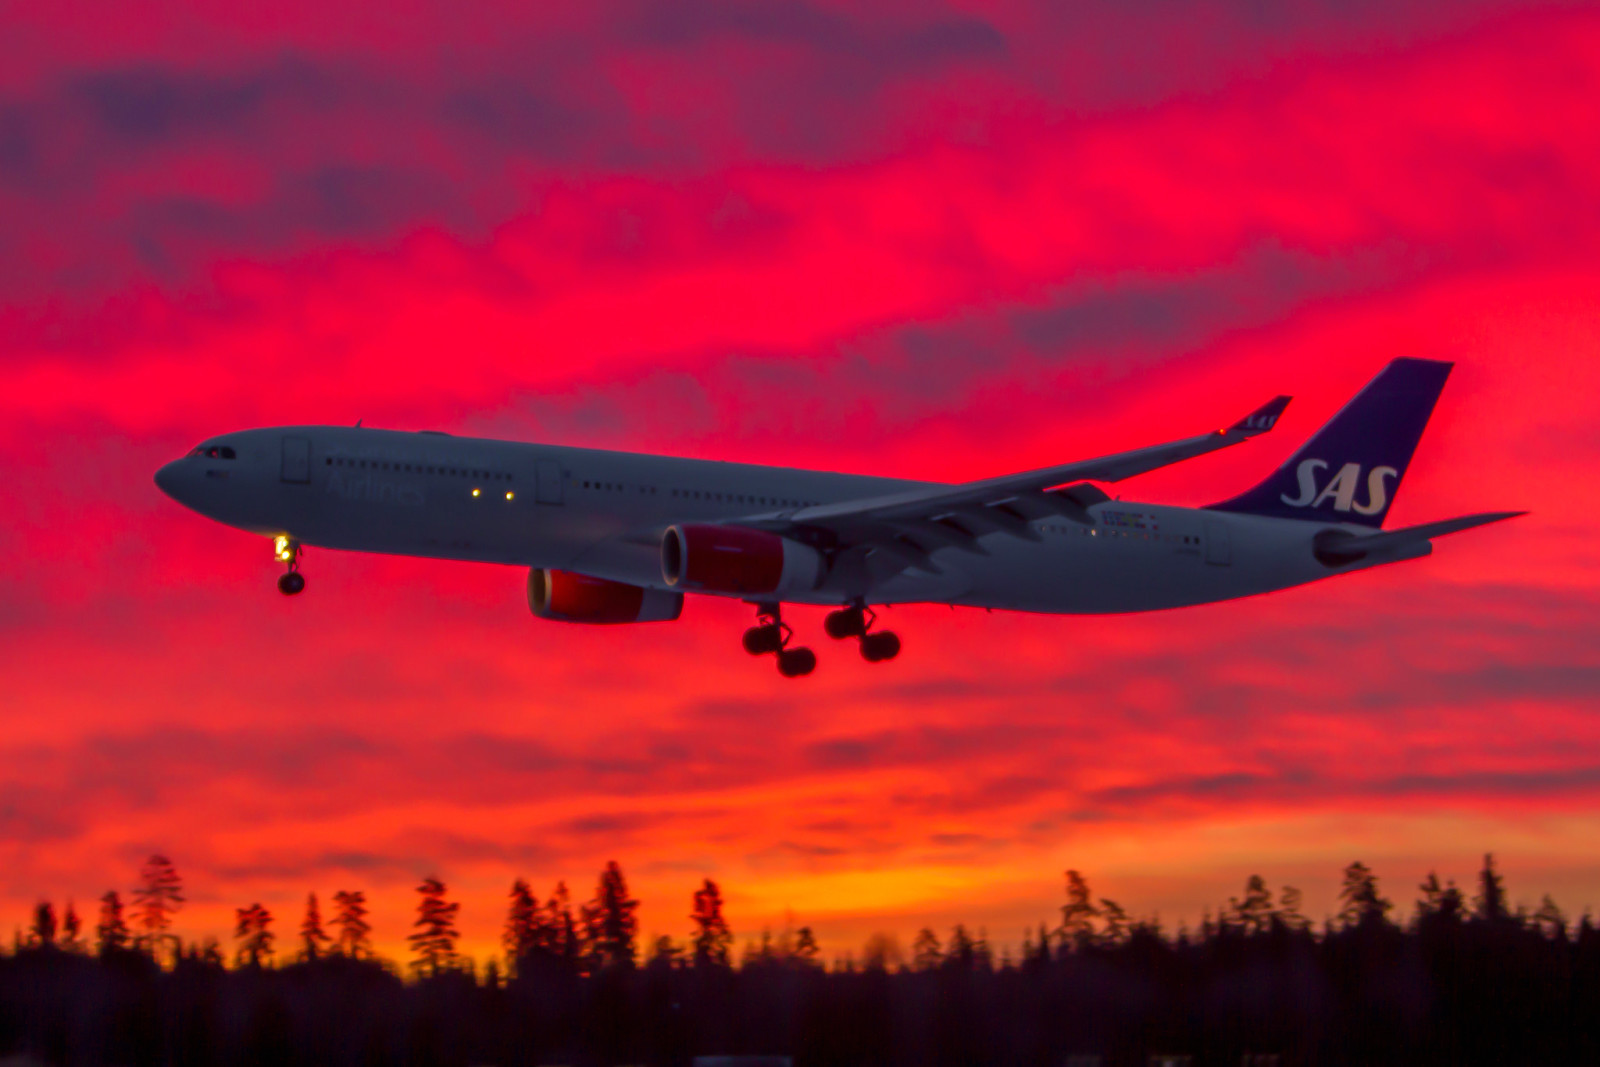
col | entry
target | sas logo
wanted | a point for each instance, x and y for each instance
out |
(1341, 489)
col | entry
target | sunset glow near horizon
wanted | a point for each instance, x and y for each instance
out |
(931, 241)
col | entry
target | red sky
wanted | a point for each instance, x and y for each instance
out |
(920, 240)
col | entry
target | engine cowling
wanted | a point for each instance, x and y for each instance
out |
(568, 597)
(732, 559)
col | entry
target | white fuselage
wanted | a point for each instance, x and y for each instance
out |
(602, 513)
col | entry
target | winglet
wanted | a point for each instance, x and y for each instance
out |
(1262, 418)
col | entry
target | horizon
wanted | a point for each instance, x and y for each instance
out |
(480, 949)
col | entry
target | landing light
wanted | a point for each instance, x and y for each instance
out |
(508, 495)
(477, 492)
(282, 549)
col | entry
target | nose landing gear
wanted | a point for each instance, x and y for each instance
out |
(856, 621)
(771, 634)
(288, 552)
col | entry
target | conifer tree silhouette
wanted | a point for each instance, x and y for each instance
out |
(805, 946)
(962, 955)
(1253, 911)
(42, 934)
(523, 926)
(71, 930)
(434, 941)
(711, 939)
(312, 936)
(1077, 914)
(1288, 912)
(565, 939)
(1490, 901)
(610, 921)
(1550, 919)
(111, 932)
(665, 953)
(1431, 894)
(1116, 923)
(1361, 902)
(354, 938)
(252, 932)
(155, 901)
(926, 952)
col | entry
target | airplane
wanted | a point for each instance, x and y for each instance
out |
(615, 537)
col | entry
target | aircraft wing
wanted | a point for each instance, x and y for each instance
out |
(903, 529)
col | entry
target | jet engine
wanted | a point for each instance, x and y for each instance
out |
(733, 559)
(568, 597)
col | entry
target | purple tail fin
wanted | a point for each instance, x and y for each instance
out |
(1352, 469)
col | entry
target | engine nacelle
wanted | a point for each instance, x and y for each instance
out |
(732, 559)
(568, 597)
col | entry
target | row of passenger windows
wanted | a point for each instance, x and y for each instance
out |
(743, 498)
(419, 468)
(215, 452)
(706, 495)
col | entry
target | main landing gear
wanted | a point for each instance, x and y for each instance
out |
(772, 634)
(856, 621)
(288, 552)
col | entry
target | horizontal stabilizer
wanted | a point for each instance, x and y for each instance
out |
(1338, 547)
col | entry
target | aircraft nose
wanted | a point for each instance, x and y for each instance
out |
(169, 478)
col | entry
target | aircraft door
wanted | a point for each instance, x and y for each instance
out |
(549, 488)
(1219, 550)
(297, 460)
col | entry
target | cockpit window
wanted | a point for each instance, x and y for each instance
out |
(215, 452)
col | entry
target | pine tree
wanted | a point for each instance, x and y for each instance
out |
(665, 953)
(926, 952)
(521, 934)
(254, 937)
(354, 938)
(881, 952)
(158, 898)
(805, 947)
(71, 930)
(1078, 913)
(1253, 911)
(42, 934)
(312, 937)
(1490, 903)
(112, 930)
(1550, 919)
(1116, 923)
(610, 921)
(1289, 909)
(711, 938)
(1432, 892)
(565, 942)
(1360, 896)
(963, 953)
(435, 939)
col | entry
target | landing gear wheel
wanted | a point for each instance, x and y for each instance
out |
(796, 662)
(287, 552)
(877, 647)
(759, 640)
(846, 623)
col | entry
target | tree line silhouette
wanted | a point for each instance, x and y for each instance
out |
(1457, 980)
